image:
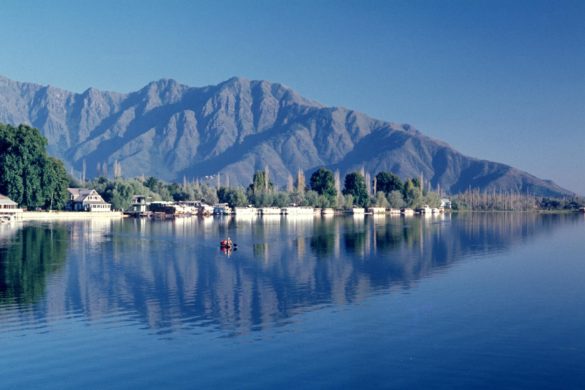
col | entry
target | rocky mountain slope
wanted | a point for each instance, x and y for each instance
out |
(173, 131)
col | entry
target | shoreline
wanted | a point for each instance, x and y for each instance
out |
(65, 215)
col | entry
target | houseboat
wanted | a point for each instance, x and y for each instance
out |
(407, 211)
(327, 211)
(221, 209)
(294, 211)
(245, 211)
(424, 210)
(270, 211)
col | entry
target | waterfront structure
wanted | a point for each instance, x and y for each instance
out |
(83, 199)
(327, 211)
(8, 209)
(377, 210)
(407, 211)
(221, 209)
(245, 211)
(139, 206)
(294, 210)
(270, 210)
(424, 210)
(445, 203)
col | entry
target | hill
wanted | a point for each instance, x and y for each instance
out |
(172, 131)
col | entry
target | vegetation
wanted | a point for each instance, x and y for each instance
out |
(34, 180)
(355, 185)
(27, 174)
(474, 200)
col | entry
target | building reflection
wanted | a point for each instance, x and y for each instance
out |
(172, 276)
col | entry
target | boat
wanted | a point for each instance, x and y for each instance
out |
(407, 211)
(327, 211)
(221, 209)
(245, 211)
(225, 244)
(270, 211)
(377, 210)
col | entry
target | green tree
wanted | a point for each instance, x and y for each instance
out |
(235, 197)
(388, 182)
(381, 200)
(27, 175)
(396, 200)
(54, 182)
(412, 193)
(323, 182)
(355, 185)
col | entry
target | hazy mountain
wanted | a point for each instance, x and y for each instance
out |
(172, 131)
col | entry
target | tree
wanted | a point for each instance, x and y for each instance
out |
(234, 197)
(300, 181)
(323, 182)
(381, 200)
(54, 182)
(355, 185)
(396, 200)
(413, 196)
(260, 182)
(27, 174)
(388, 182)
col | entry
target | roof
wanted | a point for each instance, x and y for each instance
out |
(7, 200)
(81, 194)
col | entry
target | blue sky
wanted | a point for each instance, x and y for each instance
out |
(500, 80)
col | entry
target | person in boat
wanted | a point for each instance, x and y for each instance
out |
(227, 243)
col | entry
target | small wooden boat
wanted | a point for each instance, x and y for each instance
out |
(225, 244)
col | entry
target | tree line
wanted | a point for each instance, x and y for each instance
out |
(34, 180)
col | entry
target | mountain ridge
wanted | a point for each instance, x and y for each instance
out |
(171, 130)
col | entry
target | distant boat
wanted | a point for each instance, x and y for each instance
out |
(582, 209)
(270, 211)
(221, 209)
(245, 211)
(407, 211)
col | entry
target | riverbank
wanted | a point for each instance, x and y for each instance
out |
(65, 215)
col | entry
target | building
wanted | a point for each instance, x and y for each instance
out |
(7, 204)
(8, 209)
(139, 206)
(83, 199)
(445, 203)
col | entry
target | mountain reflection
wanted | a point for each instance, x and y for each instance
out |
(172, 276)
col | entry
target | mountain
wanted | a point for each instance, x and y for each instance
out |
(172, 131)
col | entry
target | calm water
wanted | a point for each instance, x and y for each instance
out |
(468, 301)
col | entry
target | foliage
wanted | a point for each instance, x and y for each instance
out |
(323, 182)
(355, 185)
(412, 193)
(28, 261)
(235, 197)
(27, 174)
(381, 200)
(396, 200)
(388, 182)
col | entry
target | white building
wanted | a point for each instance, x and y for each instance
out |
(83, 199)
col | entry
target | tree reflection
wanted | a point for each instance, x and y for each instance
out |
(28, 259)
(171, 275)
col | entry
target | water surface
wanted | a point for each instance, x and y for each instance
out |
(468, 301)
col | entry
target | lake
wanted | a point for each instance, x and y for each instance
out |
(463, 301)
